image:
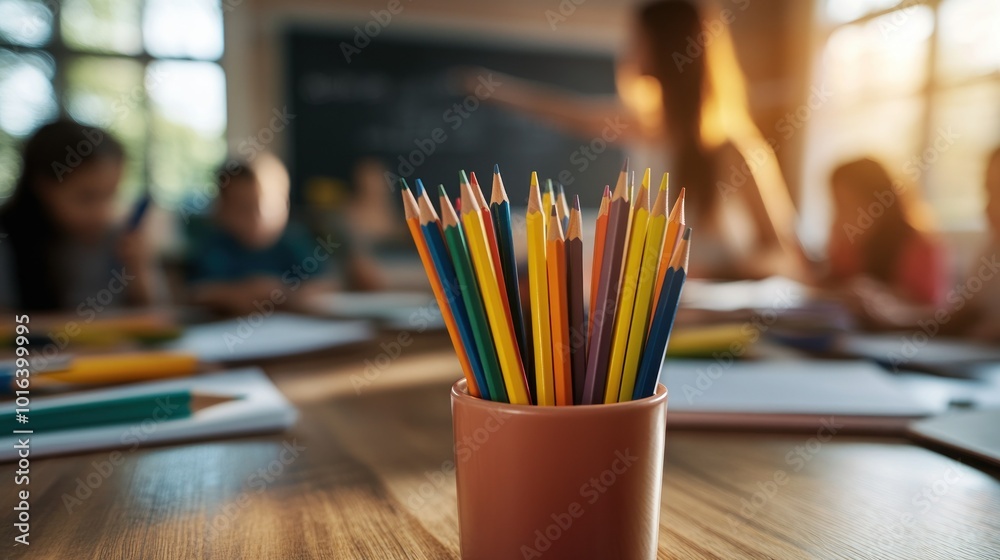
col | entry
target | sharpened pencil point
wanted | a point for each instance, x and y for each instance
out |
(442, 191)
(664, 181)
(548, 186)
(534, 179)
(576, 202)
(625, 165)
(462, 177)
(420, 187)
(496, 169)
(403, 185)
(607, 190)
(687, 234)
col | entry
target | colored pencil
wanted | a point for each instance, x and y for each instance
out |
(663, 320)
(494, 248)
(500, 210)
(412, 213)
(607, 293)
(538, 292)
(675, 227)
(630, 284)
(555, 256)
(577, 319)
(431, 227)
(600, 232)
(562, 207)
(116, 410)
(489, 283)
(473, 302)
(644, 293)
(548, 199)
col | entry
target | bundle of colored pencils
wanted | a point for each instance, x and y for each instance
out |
(554, 355)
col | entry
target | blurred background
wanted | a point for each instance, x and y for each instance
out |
(349, 94)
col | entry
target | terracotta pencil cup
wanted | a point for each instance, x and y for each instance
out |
(566, 482)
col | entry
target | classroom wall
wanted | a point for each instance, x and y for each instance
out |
(771, 37)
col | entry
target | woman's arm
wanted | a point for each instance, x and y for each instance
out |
(582, 115)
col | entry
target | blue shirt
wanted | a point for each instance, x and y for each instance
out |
(216, 256)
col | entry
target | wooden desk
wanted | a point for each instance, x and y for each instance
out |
(364, 475)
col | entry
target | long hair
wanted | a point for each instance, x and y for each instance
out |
(32, 234)
(904, 213)
(705, 104)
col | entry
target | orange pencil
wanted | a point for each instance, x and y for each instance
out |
(555, 261)
(411, 210)
(599, 234)
(675, 228)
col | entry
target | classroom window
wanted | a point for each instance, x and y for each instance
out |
(147, 70)
(914, 84)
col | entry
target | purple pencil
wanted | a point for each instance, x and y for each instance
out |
(607, 292)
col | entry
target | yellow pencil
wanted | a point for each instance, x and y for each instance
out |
(555, 252)
(503, 334)
(675, 227)
(538, 291)
(647, 279)
(626, 298)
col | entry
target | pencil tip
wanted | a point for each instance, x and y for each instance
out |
(472, 178)
(664, 181)
(553, 212)
(442, 191)
(625, 165)
(607, 190)
(576, 202)
(420, 186)
(462, 177)
(562, 190)
(548, 185)
(534, 179)
(687, 234)
(496, 169)
(403, 185)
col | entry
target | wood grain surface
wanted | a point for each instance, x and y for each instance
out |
(366, 474)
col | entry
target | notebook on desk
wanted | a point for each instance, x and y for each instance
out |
(257, 338)
(788, 394)
(258, 407)
(913, 350)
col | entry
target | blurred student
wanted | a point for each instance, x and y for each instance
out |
(249, 254)
(692, 108)
(62, 244)
(882, 246)
(979, 315)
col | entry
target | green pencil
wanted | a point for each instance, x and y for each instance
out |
(473, 302)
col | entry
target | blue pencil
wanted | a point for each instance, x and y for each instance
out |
(663, 321)
(430, 226)
(500, 210)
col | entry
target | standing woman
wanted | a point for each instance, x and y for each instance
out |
(692, 110)
(63, 243)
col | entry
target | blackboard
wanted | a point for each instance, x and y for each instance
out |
(394, 99)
